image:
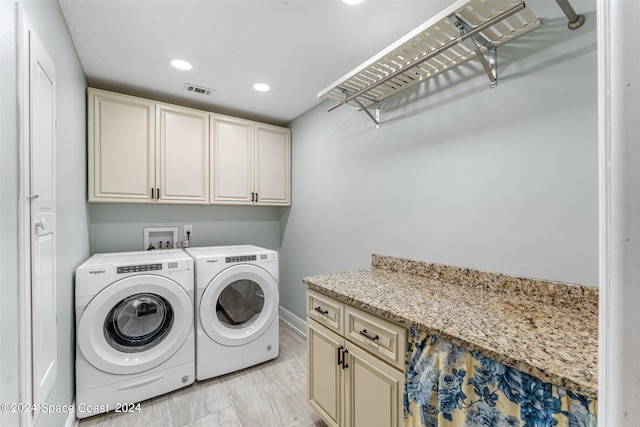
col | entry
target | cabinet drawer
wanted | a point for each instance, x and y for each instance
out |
(378, 336)
(325, 310)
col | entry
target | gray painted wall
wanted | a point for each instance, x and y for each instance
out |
(73, 227)
(119, 227)
(501, 180)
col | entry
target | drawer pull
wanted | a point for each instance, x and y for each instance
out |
(366, 334)
(321, 311)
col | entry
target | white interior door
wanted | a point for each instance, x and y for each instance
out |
(42, 199)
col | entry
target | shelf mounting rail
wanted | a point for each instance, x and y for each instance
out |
(466, 29)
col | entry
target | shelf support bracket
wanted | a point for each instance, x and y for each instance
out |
(373, 116)
(464, 28)
(376, 117)
(491, 67)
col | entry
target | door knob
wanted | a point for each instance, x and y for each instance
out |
(42, 224)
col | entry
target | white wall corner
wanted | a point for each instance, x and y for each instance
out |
(72, 421)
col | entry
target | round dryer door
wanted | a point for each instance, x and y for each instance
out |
(135, 324)
(239, 305)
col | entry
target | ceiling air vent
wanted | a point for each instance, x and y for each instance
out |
(198, 89)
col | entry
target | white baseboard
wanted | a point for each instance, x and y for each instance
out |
(296, 323)
(72, 421)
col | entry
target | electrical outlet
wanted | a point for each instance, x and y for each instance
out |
(187, 228)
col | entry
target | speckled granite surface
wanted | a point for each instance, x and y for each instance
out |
(547, 329)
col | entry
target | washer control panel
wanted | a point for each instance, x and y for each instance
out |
(171, 267)
(181, 267)
(139, 268)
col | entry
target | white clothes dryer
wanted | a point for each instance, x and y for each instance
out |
(134, 328)
(236, 307)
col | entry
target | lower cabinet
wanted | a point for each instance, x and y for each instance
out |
(348, 385)
(325, 372)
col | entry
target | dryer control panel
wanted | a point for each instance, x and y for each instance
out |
(261, 258)
(242, 258)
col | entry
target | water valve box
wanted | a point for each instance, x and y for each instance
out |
(160, 238)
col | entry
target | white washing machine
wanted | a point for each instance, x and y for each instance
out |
(237, 301)
(134, 328)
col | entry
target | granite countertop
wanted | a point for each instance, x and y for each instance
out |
(546, 329)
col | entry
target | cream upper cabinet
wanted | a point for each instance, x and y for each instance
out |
(182, 155)
(350, 380)
(121, 149)
(250, 162)
(272, 165)
(143, 151)
(231, 160)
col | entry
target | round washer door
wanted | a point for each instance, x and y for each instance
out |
(239, 305)
(135, 324)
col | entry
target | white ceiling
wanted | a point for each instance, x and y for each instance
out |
(298, 47)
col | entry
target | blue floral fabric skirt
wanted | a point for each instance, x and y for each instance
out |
(447, 385)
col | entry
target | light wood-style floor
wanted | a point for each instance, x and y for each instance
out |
(273, 394)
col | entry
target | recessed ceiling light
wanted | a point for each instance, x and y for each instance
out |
(352, 2)
(181, 64)
(261, 87)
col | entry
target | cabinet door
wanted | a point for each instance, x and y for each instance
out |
(183, 155)
(231, 160)
(273, 163)
(121, 148)
(373, 391)
(324, 375)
